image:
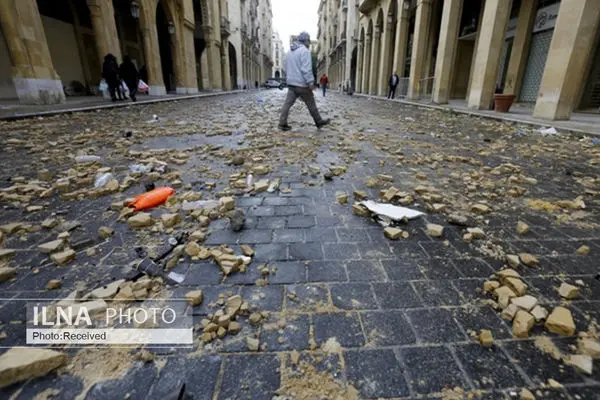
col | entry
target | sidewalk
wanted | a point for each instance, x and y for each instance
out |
(580, 123)
(11, 110)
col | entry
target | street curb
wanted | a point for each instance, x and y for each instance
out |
(15, 117)
(488, 116)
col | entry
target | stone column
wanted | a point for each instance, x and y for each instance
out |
(225, 65)
(33, 74)
(105, 28)
(401, 40)
(446, 53)
(520, 47)
(419, 49)
(151, 48)
(384, 66)
(487, 56)
(204, 68)
(570, 52)
(477, 35)
(366, 66)
(359, 66)
(213, 52)
(375, 51)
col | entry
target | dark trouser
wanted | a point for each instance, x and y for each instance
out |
(113, 86)
(324, 89)
(307, 97)
(392, 92)
(132, 90)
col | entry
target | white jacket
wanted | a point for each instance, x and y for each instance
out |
(298, 66)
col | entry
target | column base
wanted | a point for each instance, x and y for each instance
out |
(184, 90)
(157, 90)
(39, 91)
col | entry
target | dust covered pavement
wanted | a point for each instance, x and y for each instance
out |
(491, 293)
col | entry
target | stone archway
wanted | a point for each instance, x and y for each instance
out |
(164, 26)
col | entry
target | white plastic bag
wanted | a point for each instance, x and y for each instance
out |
(142, 86)
(103, 86)
(103, 179)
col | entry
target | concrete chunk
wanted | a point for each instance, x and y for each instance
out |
(21, 363)
(434, 230)
(526, 302)
(63, 257)
(140, 220)
(561, 322)
(194, 297)
(51, 247)
(392, 233)
(568, 291)
(522, 324)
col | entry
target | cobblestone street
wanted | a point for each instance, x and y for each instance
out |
(333, 309)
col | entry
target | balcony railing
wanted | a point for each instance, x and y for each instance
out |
(225, 26)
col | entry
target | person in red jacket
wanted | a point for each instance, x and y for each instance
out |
(324, 81)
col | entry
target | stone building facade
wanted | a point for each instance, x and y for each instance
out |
(545, 52)
(278, 57)
(49, 48)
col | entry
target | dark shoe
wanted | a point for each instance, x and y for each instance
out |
(323, 122)
(285, 127)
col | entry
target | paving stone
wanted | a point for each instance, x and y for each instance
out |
(288, 235)
(377, 250)
(441, 269)
(261, 211)
(68, 385)
(307, 297)
(353, 296)
(376, 373)
(288, 272)
(403, 269)
(256, 376)
(270, 252)
(539, 366)
(288, 210)
(432, 369)
(204, 273)
(387, 328)
(321, 235)
(295, 334)
(305, 251)
(301, 222)
(198, 374)
(271, 223)
(473, 267)
(266, 298)
(488, 368)
(340, 251)
(345, 327)
(353, 235)
(395, 295)
(143, 375)
(477, 318)
(437, 293)
(435, 326)
(439, 250)
(326, 271)
(254, 236)
(365, 270)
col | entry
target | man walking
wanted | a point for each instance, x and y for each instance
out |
(324, 81)
(393, 84)
(301, 82)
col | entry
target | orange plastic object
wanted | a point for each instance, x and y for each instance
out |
(152, 198)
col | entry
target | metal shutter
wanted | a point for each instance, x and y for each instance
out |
(538, 52)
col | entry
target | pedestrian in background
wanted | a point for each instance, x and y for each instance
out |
(129, 74)
(110, 73)
(324, 81)
(301, 82)
(393, 84)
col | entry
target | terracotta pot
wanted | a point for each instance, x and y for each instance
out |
(502, 102)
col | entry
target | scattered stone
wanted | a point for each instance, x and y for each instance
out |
(22, 363)
(392, 233)
(486, 338)
(237, 219)
(490, 286)
(194, 297)
(108, 291)
(513, 260)
(360, 210)
(238, 159)
(476, 233)
(105, 232)
(360, 195)
(170, 220)
(7, 273)
(252, 343)
(64, 235)
(590, 347)
(261, 170)
(522, 324)
(261, 186)
(140, 220)
(63, 257)
(516, 285)
(508, 314)
(53, 284)
(49, 223)
(526, 395)
(526, 302)
(554, 384)
(6, 254)
(568, 291)
(522, 228)
(234, 327)
(480, 208)
(341, 198)
(583, 250)
(51, 247)
(540, 313)
(582, 362)
(389, 194)
(434, 230)
(561, 322)
(11, 228)
(255, 318)
(234, 304)
(247, 250)
(197, 236)
(192, 249)
(529, 259)
(457, 219)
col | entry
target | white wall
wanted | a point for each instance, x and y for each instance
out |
(7, 89)
(64, 50)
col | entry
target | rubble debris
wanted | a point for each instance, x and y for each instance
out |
(522, 228)
(540, 313)
(529, 259)
(194, 297)
(525, 394)
(583, 250)
(53, 284)
(237, 219)
(395, 213)
(170, 220)
(581, 362)
(252, 343)
(561, 322)
(140, 220)
(63, 257)
(476, 233)
(522, 324)
(486, 338)
(568, 291)
(341, 197)
(392, 233)
(590, 347)
(21, 363)
(434, 230)
(525, 302)
(7, 273)
(51, 247)
(105, 232)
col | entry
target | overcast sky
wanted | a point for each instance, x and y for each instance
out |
(290, 17)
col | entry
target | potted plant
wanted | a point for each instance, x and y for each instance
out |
(502, 102)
